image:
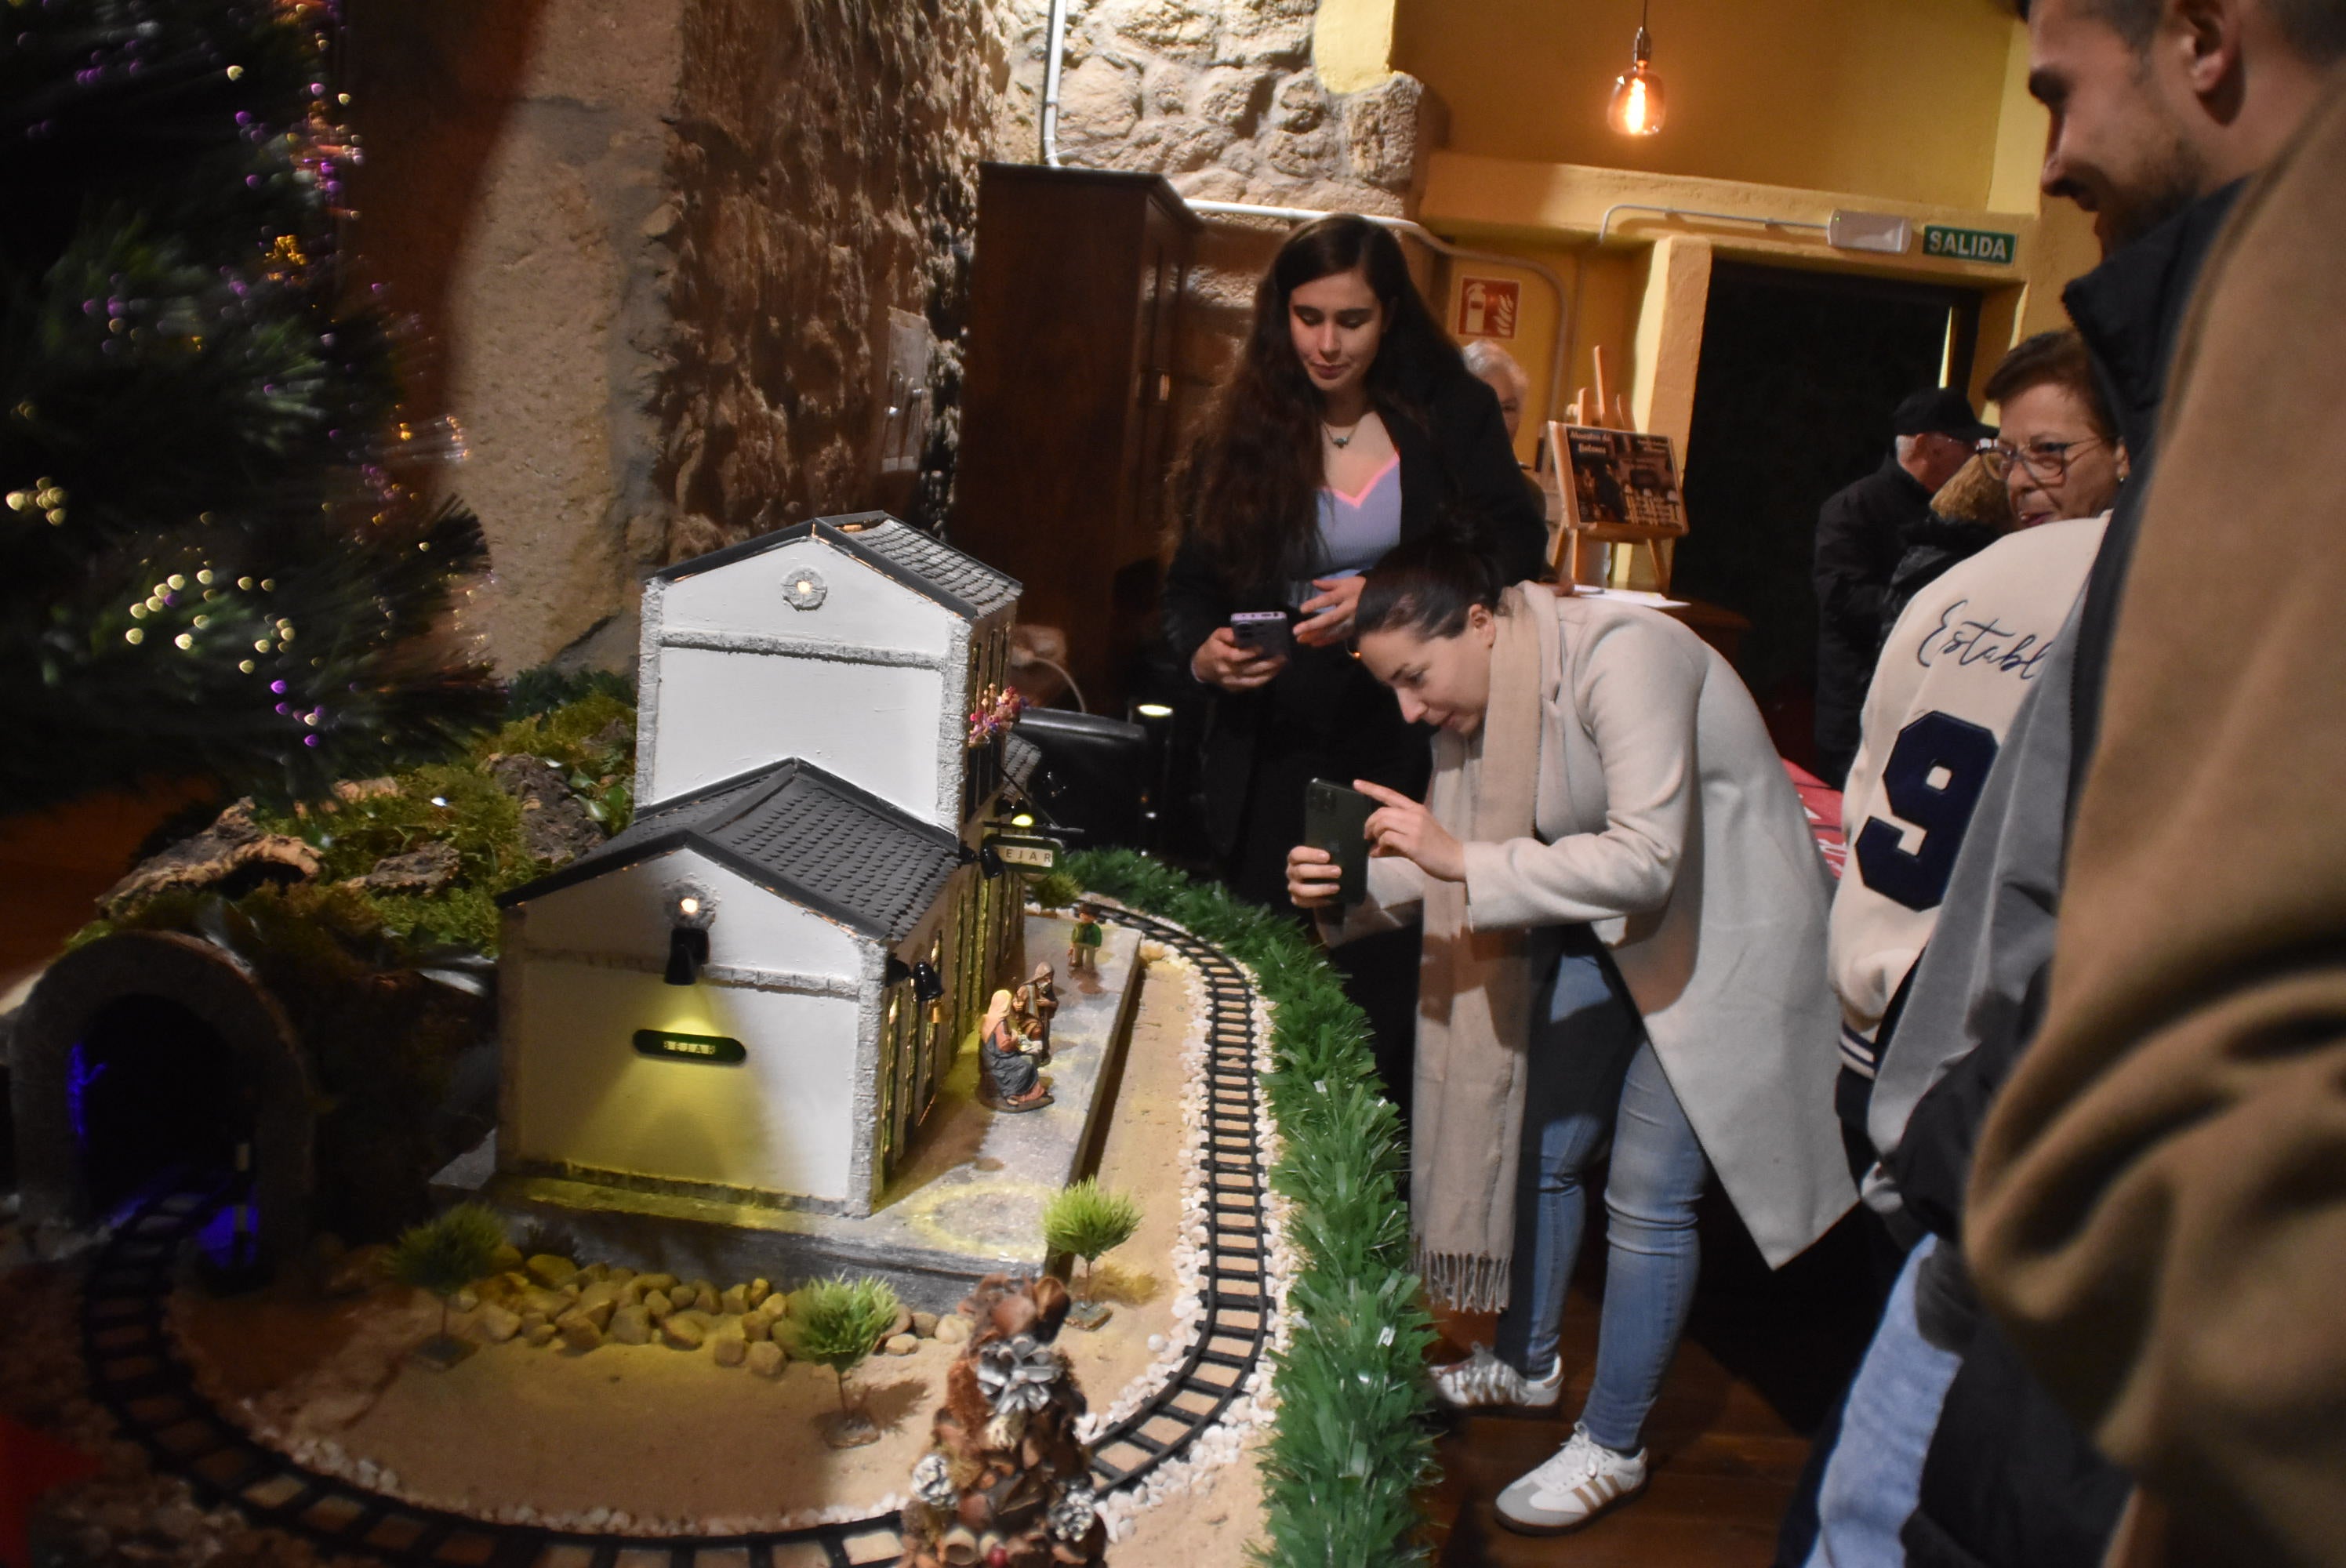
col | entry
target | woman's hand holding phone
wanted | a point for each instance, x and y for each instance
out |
(1312, 878)
(1222, 660)
(1402, 827)
(1330, 612)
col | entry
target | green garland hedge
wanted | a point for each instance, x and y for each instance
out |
(1351, 1447)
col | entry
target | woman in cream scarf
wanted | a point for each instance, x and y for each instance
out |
(1625, 919)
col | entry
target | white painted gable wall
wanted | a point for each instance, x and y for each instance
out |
(867, 684)
(589, 960)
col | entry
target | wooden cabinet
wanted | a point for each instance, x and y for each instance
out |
(1067, 430)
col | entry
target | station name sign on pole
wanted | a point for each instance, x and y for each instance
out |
(1027, 851)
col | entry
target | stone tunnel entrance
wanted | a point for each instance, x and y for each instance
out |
(151, 1053)
(151, 1089)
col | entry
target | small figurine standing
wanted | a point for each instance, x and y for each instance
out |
(1084, 942)
(1008, 1056)
(1042, 994)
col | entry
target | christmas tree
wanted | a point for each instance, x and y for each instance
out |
(216, 559)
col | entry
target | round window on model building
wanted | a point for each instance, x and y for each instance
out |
(804, 588)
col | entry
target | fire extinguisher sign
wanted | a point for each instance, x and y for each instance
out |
(1486, 307)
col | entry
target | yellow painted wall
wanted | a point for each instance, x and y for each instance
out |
(1786, 109)
(1351, 44)
(1894, 99)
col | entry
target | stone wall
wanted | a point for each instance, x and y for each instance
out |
(1220, 96)
(514, 154)
(824, 173)
(656, 247)
(652, 247)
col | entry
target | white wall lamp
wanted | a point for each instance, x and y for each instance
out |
(692, 909)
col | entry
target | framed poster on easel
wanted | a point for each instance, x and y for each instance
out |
(1617, 487)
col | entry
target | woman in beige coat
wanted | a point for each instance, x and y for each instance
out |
(1625, 928)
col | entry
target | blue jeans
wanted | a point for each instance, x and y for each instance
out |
(1593, 1076)
(1874, 1477)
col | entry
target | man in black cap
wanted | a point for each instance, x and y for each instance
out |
(1860, 536)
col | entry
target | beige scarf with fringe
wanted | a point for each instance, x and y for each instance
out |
(1475, 988)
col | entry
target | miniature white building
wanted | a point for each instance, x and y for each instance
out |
(752, 993)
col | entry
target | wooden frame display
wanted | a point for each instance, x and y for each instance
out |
(1617, 487)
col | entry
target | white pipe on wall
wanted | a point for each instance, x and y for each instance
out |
(1055, 47)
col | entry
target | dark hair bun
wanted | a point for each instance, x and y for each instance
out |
(1427, 584)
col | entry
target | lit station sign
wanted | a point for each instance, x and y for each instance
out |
(1027, 851)
(671, 1046)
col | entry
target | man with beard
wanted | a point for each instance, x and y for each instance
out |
(2177, 1124)
(2161, 109)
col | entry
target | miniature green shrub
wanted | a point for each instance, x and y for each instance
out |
(1053, 889)
(448, 1252)
(1351, 1446)
(837, 1323)
(1085, 1220)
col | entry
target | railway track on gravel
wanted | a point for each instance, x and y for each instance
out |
(137, 1374)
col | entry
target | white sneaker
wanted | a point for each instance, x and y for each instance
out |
(1580, 1480)
(1485, 1380)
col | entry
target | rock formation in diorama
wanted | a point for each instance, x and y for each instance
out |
(1007, 1483)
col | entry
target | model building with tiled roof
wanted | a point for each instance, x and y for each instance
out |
(754, 991)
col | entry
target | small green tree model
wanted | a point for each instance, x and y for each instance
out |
(445, 1254)
(1054, 889)
(1085, 1220)
(837, 1323)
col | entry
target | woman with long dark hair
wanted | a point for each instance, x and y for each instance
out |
(1349, 425)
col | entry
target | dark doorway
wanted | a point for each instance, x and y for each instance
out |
(1799, 373)
(152, 1088)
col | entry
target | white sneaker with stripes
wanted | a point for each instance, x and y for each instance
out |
(1483, 1380)
(1580, 1480)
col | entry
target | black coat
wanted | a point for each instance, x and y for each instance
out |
(1457, 467)
(1861, 533)
(1931, 547)
(2010, 1482)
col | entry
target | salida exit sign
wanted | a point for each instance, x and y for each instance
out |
(1968, 244)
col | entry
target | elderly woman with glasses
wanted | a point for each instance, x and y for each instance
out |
(1951, 679)
(2057, 457)
(2058, 453)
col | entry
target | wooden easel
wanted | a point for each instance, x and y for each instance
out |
(1588, 409)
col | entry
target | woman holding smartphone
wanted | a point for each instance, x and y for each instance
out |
(1623, 926)
(1349, 425)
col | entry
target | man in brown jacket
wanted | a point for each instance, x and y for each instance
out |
(2157, 1208)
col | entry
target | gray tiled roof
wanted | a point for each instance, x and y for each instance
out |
(961, 582)
(1020, 758)
(966, 578)
(801, 832)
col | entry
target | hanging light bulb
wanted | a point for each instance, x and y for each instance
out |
(1636, 105)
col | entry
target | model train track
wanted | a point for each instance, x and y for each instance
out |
(137, 1374)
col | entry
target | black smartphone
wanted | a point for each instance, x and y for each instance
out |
(1267, 632)
(1334, 817)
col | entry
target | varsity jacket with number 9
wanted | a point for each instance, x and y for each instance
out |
(1950, 679)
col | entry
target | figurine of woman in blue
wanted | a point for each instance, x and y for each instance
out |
(1014, 1081)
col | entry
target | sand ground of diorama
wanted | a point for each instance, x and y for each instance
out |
(670, 1437)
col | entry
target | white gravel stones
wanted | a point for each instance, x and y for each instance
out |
(1256, 1400)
